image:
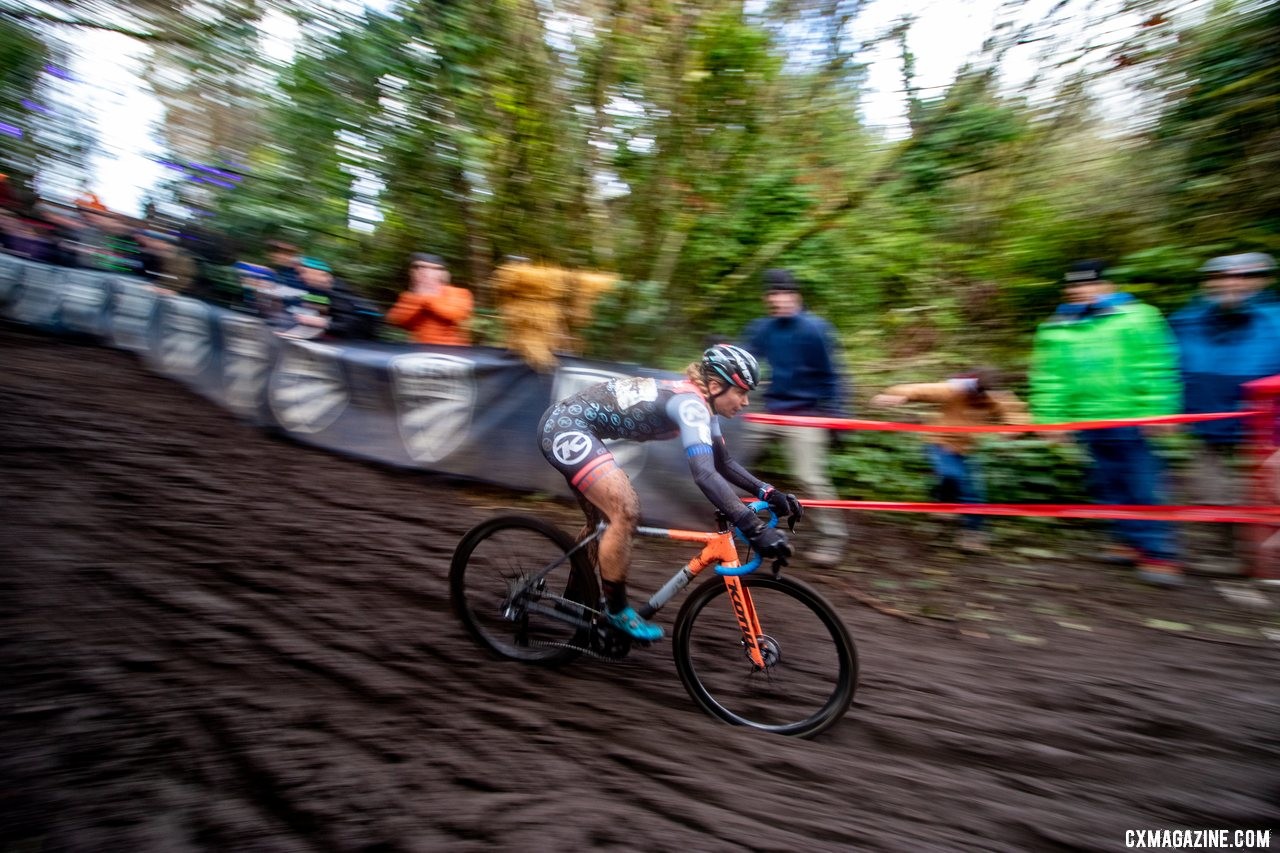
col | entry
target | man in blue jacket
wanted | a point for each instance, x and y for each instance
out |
(1228, 335)
(805, 379)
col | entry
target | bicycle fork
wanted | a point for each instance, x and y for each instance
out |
(745, 610)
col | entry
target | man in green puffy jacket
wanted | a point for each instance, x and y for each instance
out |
(1104, 355)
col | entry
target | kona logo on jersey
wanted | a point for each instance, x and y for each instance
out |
(307, 390)
(184, 341)
(695, 414)
(435, 396)
(572, 379)
(246, 359)
(570, 448)
(131, 315)
(83, 299)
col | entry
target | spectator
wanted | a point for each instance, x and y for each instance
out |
(1102, 355)
(967, 400)
(88, 200)
(346, 316)
(267, 298)
(64, 230)
(108, 243)
(166, 264)
(431, 309)
(26, 238)
(1228, 335)
(805, 379)
(9, 201)
(286, 260)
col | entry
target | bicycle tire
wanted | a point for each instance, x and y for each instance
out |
(806, 687)
(495, 557)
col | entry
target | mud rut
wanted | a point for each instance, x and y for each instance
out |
(215, 640)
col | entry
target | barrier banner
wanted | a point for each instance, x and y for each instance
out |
(472, 412)
(86, 298)
(133, 310)
(245, 358)
(37, 296)
(183, 333)
(12, 269)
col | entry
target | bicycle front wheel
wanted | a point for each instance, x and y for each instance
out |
(811, 663)
(492, 591)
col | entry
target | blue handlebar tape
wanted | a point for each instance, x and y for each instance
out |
(754, 563)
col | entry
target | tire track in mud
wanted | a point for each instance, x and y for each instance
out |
(215, 639)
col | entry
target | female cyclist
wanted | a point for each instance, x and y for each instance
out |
(648, 410)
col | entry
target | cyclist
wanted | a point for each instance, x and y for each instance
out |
(644, 409)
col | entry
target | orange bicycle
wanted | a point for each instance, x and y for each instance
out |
(772, 654)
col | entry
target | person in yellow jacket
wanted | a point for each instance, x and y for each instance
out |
(970, 399)
(431, 309)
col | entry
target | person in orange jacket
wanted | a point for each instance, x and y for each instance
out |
(431, 309)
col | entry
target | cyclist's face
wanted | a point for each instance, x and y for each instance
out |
(731, 401)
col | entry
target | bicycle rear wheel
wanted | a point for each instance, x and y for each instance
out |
(811, 663)
(546, 622)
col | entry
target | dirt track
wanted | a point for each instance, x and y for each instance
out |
(215, 640)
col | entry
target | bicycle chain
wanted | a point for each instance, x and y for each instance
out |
(585, 651)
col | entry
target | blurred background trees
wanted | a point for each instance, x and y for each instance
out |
(685, 146)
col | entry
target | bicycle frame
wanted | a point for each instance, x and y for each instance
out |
(718, 549)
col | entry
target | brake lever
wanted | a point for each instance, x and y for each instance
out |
(778, 565)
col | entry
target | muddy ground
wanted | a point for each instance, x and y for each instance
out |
(211, 639)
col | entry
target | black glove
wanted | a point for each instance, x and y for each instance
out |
(771, 542)
(784, 505)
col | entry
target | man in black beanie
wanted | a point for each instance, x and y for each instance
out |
(805, 379)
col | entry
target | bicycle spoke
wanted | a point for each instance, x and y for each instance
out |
(518, 593)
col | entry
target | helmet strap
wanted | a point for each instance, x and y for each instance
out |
(711, 398)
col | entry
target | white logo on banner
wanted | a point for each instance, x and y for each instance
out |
(307, 390)
(246, 360)
(39, 296)
(570, 448)
(435, 395)
(570, 380)
(135, 304)
(83, 299)
(185, 343)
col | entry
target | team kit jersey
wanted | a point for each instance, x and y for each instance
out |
(643, 409)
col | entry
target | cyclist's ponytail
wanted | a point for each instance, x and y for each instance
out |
(694, 374)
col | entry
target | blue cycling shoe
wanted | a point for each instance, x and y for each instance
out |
(629, 620)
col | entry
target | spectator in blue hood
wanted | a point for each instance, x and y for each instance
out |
(806, 379)
(1228, 335)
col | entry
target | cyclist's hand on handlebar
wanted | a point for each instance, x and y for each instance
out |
(784, 505)
(771, 542)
